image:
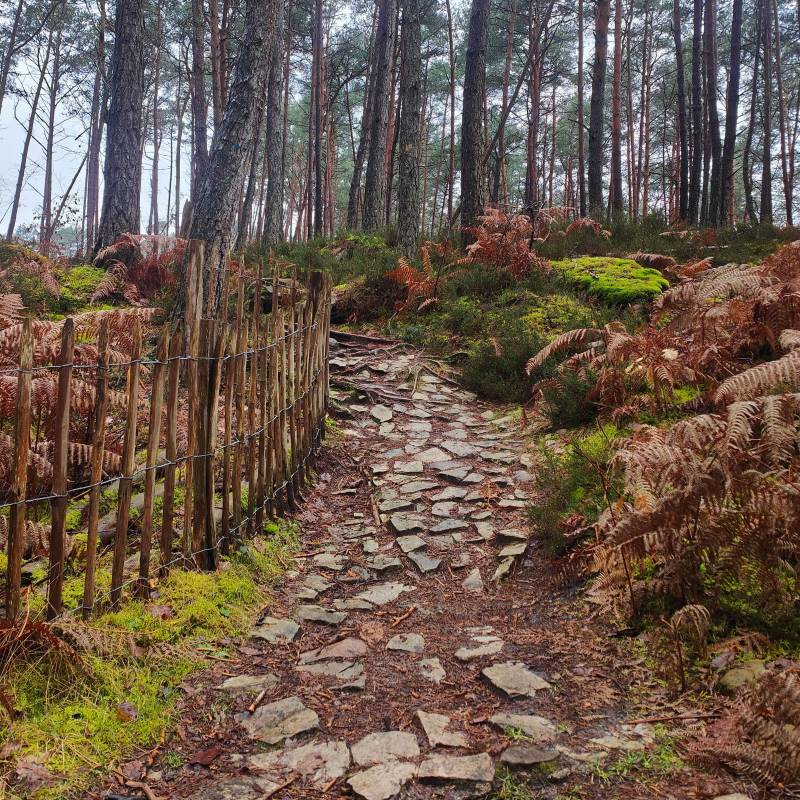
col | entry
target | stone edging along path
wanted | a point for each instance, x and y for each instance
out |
(406, 646)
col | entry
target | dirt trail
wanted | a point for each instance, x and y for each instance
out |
(418, 628)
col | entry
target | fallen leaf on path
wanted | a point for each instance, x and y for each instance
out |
(205, 757)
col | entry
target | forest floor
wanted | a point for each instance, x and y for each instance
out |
(419, 648)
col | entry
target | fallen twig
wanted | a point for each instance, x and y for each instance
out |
(404, 616)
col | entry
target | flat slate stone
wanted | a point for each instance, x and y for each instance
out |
(432, 455)
(320, 614)
(455, 475)
(474, 477)
(409, 468)
(512, 550)
(540, 729)
(318, 583)
(384, 593)
(383, 562)
(410, 642)
(238, 789)
(432, 670)
(435, 727)
(250, 683)
(277, 721)
(369, 546)
(460, 449)
(387, 506)
(443, 509)
(480, 645)
(409, 543)
(318, 763)
(383, 746)
(382, 781)
(275, 631)
(424, 562)
(476, 768)
(400, 524)
(506, 503)
(351, 604)
(449, 493)
(449, 525)
(503, 568)
(381, 413)
(473, 582)
(350, 671)
(418, 486)
(330, 561)
(515, 679)
(346, 648)
(525, 755)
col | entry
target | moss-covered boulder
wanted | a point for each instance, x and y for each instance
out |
(617, 281)
(78, 284)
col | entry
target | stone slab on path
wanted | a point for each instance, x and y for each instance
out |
(278, 721)
(382, 781)
(308, 613)
(515, 679)
(317, 763)
(275, 631)
(476, 768)
(383, 746)
(436, 730)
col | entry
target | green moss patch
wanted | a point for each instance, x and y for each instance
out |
(616, 281)
(78, 284)
(75, 722)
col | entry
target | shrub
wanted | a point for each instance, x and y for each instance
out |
(617, 281)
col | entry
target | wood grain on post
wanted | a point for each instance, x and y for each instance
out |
(22, 442)
(153, 442)
(128, 463)
(262, 486)
(58, 504)
(251, 408)
(217, 345)
(173, 389)
(200, 404)
(239, 391)
(96, 467)
(271, 398)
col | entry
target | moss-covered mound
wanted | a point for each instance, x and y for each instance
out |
(617, 281)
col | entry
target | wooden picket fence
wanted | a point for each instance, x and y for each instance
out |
(248, 393)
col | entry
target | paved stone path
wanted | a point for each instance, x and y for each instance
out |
(407, 655)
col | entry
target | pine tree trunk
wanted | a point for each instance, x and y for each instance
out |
(731, 112)
(697, 115)
(197, 86)
(97, 120)
(597, 103)
(275, 144)
(10, 50)
(747, 170)
(472, 183)
(218, 198)
(375, 179)
(154, 223)
(451, 153)
(782, 120)
(683, 133)
(411, 106)
(581, 121)
(765, 215)
(46, 223)
(710, 57)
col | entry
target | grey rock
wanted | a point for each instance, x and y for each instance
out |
(435, 727)
(503, 568)
(250, 683)
(480, 645)
(525, 755)
(449, 493)
(346, 648)
(409, 543)
(277, 721)
(742, 674)
(382, 781)
(506, 503)
(238, 789)
(458, 768)
(351, 604)
(350, 671)
(473, 582)
(539, 729)
(424, 562)
(418, 486)
(310, 613)
(383, 562)
(513, 533)
(515, 679)
(318, 763)
(474, 477)
(456, 475)
(432, 670)
(381, 413)
(387, 506)
(512, 550)
(735, 796)
(383, 746)
(318, 583)
(449, 525)
(443, 509)
(275, 631)
(409, 468)
(330, 561)
(460, 449)
(409, 642)
(401, 524)
(369, 546)
(432, 455)
(384, 593)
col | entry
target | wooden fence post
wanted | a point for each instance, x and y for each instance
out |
(96, 468)
(58, 504)
(22, 442)
(128, 463)
(173, 389)
(153, 441)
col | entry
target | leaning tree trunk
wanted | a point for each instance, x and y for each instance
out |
(683, 134)
(123, 166)
(273, 215)
(410, 111)
(218, 196)
(731, 112)
(596, 105)
(375, 179)
(472, 183)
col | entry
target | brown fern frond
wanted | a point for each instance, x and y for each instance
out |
(782, 374)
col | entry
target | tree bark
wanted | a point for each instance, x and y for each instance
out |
(411, 107)
(197, 85)
(783, 114)
(731, 112)
(375, 179)
(683, 133)
(710, 57)
(597, 103)
(765, 214)
(581, 121)
(46, 222)
(697, 115)
(617, 203)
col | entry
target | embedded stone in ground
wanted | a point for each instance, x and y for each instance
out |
(369, 546)
(382, 781)
(432, 670)
(409, 468)
(456, 475)
(473, 582)
(383, 562)
(515, 679)
(512, 550)
(432, 455)
(351, 671)
(443, 509)
(250, 683)
(400, 524)
(503, 568)
(424, 562)
(409, 543)
(275, 631)
(449, 525)
(525, 755)
(460, 449)
(318, 583)
(387, 506)
(410, 642)
(477, 768)
(482, 642)
(381, 413)
(320, 614)
(382, 746)
(539, 729)
(238, 789)
(318, 763)
(330, 561)
(351, 604)
(418, 486)
(346, 648)
(435, 727)
(384, 593)
(277, 721)
(450, 493)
